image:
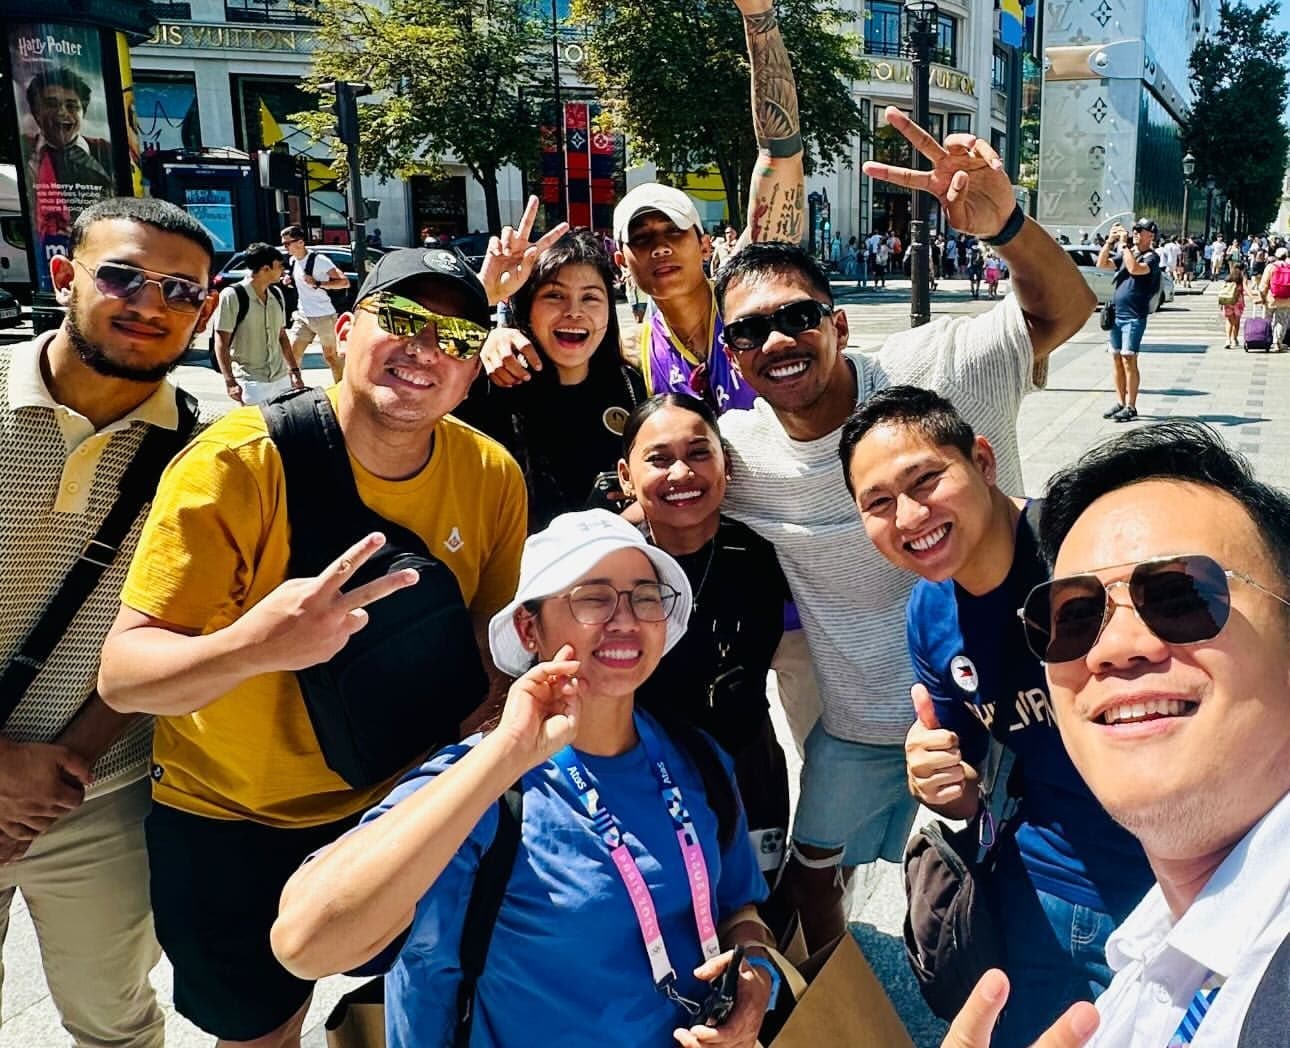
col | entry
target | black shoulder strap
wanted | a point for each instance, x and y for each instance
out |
(137, 486)
(493, 875)
(1029, 524)
(311, 260)
(276, 291)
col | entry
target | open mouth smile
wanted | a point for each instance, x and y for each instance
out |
(412, 378)
(1146, 710)
(571, 336)
(683, 496)
(619, 657)
(787, 370)
(930, 542)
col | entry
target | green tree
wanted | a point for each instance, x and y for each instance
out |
(675, 75)
(1235, 127)
(448, 75)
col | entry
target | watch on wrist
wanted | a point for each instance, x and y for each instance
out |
(1010, 228)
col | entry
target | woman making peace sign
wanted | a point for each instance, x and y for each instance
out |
(634, 873)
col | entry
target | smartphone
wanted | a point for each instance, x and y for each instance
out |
(606, 492)
(720, 1001)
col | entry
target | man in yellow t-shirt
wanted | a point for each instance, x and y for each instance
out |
(211, 629)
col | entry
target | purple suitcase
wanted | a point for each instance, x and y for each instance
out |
(1258, 334)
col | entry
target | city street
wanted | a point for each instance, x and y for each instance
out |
(1186, 374)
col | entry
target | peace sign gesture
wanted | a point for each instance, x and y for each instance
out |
(509, 259)
(306, 621)
(967, 177)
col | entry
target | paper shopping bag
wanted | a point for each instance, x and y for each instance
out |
(358, 1020)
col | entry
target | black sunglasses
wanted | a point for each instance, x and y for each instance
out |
(1181, 599)
(749, 333)
(117, 280)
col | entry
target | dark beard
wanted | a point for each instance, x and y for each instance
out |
(93, 356)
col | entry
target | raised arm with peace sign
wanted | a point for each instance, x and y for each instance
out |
(510, 257)
(967, 177)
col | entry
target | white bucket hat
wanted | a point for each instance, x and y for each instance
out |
(569, 547)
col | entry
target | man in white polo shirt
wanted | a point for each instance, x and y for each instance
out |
(1165, 632)
(787, 484)
(313, 274)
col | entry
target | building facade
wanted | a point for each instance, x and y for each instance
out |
(225, 74)
(1115, 89)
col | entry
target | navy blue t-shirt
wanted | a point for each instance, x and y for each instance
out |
(1134, 296)
(970, 652)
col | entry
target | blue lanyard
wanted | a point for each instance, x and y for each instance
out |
(607, 825)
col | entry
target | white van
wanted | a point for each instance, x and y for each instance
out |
(15, 269)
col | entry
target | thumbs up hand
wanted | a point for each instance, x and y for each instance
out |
(937, 775)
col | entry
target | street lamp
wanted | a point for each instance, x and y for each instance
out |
(921, 37)
(1189, 169)
(1209, 205)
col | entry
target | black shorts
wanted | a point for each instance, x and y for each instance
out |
(215, 889)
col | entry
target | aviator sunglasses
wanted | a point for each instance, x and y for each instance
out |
(1181, 599)
(749, 333)
(117, 280)
(458, 338)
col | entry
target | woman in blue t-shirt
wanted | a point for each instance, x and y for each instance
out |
(634, 874)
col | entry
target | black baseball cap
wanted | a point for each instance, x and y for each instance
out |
(1146, 225)
(414, 263)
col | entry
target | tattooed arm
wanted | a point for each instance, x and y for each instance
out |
(777, 197)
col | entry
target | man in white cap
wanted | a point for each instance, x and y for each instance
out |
(1274, 289)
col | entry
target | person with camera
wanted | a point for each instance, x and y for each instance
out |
(565, 426)
(218, 628)
(633, 878)
(675, 467)
(1137, 285)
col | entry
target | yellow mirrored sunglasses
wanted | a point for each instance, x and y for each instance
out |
(458, 338)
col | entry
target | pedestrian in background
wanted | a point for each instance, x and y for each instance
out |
(252, 349)
(1231, 303)
(1274, 289)
(1137, 283)
(313, 274)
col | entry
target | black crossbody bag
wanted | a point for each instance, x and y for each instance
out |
(951, 930)
(137, 486)
(403, 684)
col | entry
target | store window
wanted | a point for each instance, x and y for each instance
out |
(960, 123)
(999, 70)
(882, 32)
(165, 105)
(263, 111)
(947, 40)
(270, 12)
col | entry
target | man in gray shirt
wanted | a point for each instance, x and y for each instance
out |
(786, 483)
(251, 345)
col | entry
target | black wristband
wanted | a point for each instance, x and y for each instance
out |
(1010, 228)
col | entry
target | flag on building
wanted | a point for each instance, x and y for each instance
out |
(580, 167)
(1011, 23)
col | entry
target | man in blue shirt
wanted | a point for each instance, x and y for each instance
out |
(1066, 874)
(1137, 287)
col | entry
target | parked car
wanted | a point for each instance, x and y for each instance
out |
(1102, 281)
(235, 270)
(471, 247)
(10, 310)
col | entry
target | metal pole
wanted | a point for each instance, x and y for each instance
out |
(559, 113)
(920, 292)
(1186, 206)
(1209, 210)
(347, 95)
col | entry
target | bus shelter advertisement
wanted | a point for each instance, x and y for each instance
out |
(66, 152)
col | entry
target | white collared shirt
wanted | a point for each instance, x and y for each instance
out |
(1232, 929)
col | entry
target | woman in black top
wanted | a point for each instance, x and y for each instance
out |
(715, 678)
(564, 426)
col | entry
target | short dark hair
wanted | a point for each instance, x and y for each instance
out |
(1184, 450)
(260, 254)
(294, 232)
(160, 214)
(644, 410)
(755, 260)
(921, 409)
(57, 77)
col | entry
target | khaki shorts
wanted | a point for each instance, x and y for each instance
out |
(305, 329)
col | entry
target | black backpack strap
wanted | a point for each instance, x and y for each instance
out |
(243, 305)
(137, 486)
(311, 262)
(1268, 1015)
(320, 481)
(491, 878)
(1028, 524)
